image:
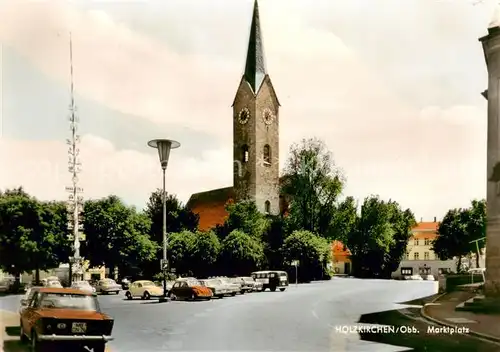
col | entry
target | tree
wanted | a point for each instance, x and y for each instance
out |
(312, 252)
(180, 251)
(117, 236)
(32, 234)
(179, 218)
(243, 216)
(476, 226)
(273, 239)
(204, 253)
(380, 237)
(241, 253)
(457, 231)
(343, 220)
(402, 223)
(312, 183)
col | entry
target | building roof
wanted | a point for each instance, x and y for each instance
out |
(426, 227)
(255, 66)
(211, 206)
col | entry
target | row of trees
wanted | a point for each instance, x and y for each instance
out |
(33, 234)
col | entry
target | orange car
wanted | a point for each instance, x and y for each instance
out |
(66, 319)
(189, 288)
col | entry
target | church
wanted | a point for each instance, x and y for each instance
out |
(255, 143)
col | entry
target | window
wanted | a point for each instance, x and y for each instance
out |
(426, 255)
(415, 256)
(405, 256)
(427, 242)
(245, 154)
(267, 155)
(415, 242)
(267, 206)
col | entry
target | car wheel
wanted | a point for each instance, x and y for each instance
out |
(129, 296)
(147, 295)
(22, 335)
(273, 289)
(282, 289)
(233, 294)
(172, 296)
(193, 297)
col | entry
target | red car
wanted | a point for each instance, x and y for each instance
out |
(65, 319)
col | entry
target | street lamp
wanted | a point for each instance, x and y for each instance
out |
(164, 146)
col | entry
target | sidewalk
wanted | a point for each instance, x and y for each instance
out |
(443, 311)
(9, 343)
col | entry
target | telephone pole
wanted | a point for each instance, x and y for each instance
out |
(75, 200)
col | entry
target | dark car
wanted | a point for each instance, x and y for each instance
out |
(272, 279)
(65, 319)
(189, 288)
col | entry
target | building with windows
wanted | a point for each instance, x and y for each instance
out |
(255, 143)
(341, 258)
(419, 258)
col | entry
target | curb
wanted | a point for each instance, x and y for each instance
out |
(471, 332)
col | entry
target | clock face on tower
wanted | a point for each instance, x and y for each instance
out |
(267, 116)
(244, 116)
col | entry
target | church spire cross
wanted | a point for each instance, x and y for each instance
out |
(255, 67)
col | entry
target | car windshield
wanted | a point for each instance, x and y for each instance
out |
(148, 283)
(68, 301)
(192, 283)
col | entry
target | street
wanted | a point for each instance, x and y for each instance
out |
(303, 318)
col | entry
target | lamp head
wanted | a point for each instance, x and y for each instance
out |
(164, 146)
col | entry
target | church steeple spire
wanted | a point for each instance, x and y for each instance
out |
(255, 67)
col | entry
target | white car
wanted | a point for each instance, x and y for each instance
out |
(83, 286)
(233, 287)
(54, 284)
(107, 286)
(219, 289)
(429, 278)
(416, 277)
(143, 289)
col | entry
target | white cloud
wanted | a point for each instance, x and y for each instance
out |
(428, 158)
(42, 168)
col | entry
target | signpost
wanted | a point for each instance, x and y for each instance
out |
(164, 265)
(295, 263)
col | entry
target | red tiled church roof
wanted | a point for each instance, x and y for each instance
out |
(211, 206)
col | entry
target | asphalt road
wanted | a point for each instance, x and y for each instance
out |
(303, 318)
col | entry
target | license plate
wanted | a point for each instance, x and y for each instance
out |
(79, 328)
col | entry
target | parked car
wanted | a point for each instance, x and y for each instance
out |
(233, 287)
(27, 297)
(416, 277)
(429, 278)
(5, 285)
(53, 284)
(68, 317)
(272, 279)
(247, 283)
(189, 288)
(107, 286)
(84, 286)
(218, 288)
(144, 289)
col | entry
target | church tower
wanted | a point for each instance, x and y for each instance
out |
(256, 130)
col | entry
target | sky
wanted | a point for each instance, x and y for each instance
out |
(392, 87)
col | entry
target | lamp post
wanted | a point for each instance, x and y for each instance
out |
(164, 147)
